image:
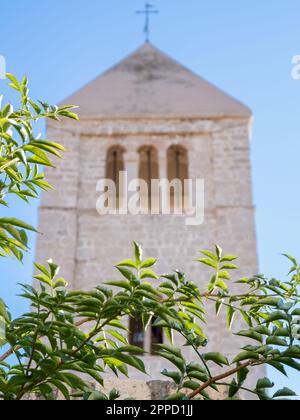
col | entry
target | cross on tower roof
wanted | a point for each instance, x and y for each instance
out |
(147, 12)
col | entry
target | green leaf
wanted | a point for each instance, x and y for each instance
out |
(61, 388)
(36, 108)
(229, 267)
(217, 358)
(119, 283)
(43, 279)
(60, 283)
(210, 255)
(222, 285)
(7, 110)
(14, 80)
(276, 341)
(296, 312)
(54, 269)
(131, 349)
(168, 349)
(3, 338)
(191, 385)
(148, 263)
(176, 397)
(132, 361)
(172, 278)
(69, 114)
(290, 363)
(229, 258)
(127, 263)
(224, 275)
(38, 155)
(246, 355)
(281, 332)
(177, 361)
(278, 366)
(118, 336)
(289, 257)
(176, 376)
(16, 222)
(97, 396)
(167, 285)
(148, 288)
(263, 395)
(46, 391)
(126, 273)
(208, 262)
(285, 306)
(292, 352)
(233, 389)
(242, 375)
(285, 392)
(261, 329)
(276, 316)
(3, 311)
(114, 395)
(264, 383)
(191, 367)
(269, 301)
(138, 253)
(202, 375)
(169, 334)
(149, 274)
(117, 324)
(230, 316)
(247, 318)
(74, 381)
(219, 252)
(251, 334)
(219, 306)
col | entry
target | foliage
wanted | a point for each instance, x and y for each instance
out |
(22, 154)
(72, 337)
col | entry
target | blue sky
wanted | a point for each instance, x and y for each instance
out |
(244, 47)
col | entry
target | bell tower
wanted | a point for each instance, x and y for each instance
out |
(151, 117)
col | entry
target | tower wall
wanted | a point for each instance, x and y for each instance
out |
(87, 245)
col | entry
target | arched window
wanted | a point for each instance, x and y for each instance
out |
(178, 170)
(136, 333)
(148, 168)
(138, 337)
(157, 336)
(115, 165)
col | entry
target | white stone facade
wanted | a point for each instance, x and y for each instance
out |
(150, 100)
(87, 245)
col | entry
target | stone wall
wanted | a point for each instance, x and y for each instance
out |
(87, 245)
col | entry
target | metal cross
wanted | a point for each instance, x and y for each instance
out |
(147, 12)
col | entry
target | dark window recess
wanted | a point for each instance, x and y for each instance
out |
(157, 336)
(178, 169)
(148, 171)
(114, 165)
(136, 333)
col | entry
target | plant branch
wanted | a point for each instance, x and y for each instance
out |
(11, 351)
(223, 376)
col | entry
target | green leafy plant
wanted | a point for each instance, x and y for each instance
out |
(71, 338)
(270, 309)
(22, 155)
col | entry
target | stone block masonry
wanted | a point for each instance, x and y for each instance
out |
(87, 245)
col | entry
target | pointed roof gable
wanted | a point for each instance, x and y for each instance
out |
(148, 83)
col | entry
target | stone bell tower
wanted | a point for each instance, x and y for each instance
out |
(148, 103)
